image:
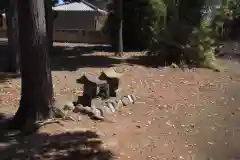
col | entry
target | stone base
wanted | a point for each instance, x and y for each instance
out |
(100, 108)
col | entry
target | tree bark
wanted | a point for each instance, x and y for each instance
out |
(12, 33)
(49, 23)
(36, 90)
(119, 51)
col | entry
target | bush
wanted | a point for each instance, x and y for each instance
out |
(227, 20)
(176, 31)
(188, 35)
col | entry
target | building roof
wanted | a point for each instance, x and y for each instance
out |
(103, 4)
(77, 6)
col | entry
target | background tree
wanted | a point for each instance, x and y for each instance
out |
(119, 51)
(12, 33)
(36, 88)
(49, 22)
(142, 19)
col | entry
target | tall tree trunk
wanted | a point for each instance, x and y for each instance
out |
(49, 23)
(36, 90)
(119, 51)
(12, 33)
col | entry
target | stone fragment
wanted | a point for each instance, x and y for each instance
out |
(125, 101)
(130, 99)
(105, 109)
(88, 109)
(96, 114)
(119, 104)
(134, 98)
(111, 107)
(80, 108)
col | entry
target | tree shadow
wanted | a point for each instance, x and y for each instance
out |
(84, 145)
(229, 56)
(147, 61)
(77, 145)
(3, 117)
(3, 54)
(73, 58)
(4, 76)
(82, 48)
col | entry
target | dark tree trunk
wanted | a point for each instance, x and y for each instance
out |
(49, 23)
(120, 28)
(36, 91)
(12, 33)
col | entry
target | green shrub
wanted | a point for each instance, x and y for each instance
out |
(227, 20)
(188, 36)
(174, 31)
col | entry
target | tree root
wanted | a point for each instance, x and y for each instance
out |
(11, 131)
(33, 128)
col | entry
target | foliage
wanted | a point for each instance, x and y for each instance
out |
(142, 19)
(227, 19)
(188, 36)
(177, 31)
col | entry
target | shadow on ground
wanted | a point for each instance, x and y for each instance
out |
(229, 56)
(3, 58)
(4, 76)
(2, 117)
(84, 145)
(64, 146)
(71, 58)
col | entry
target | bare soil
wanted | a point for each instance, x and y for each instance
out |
(190, 114)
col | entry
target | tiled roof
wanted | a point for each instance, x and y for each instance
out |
(76, 6)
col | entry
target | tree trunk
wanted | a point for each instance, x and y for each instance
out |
(36, 90)
(12, 33)
(49, 23)
(120, 27)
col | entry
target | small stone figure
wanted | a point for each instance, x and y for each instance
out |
(112, 78)
(93, 87)
(101, 95)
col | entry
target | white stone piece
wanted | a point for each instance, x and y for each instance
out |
(111, 107)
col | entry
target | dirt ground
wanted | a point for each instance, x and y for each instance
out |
(191, 114)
